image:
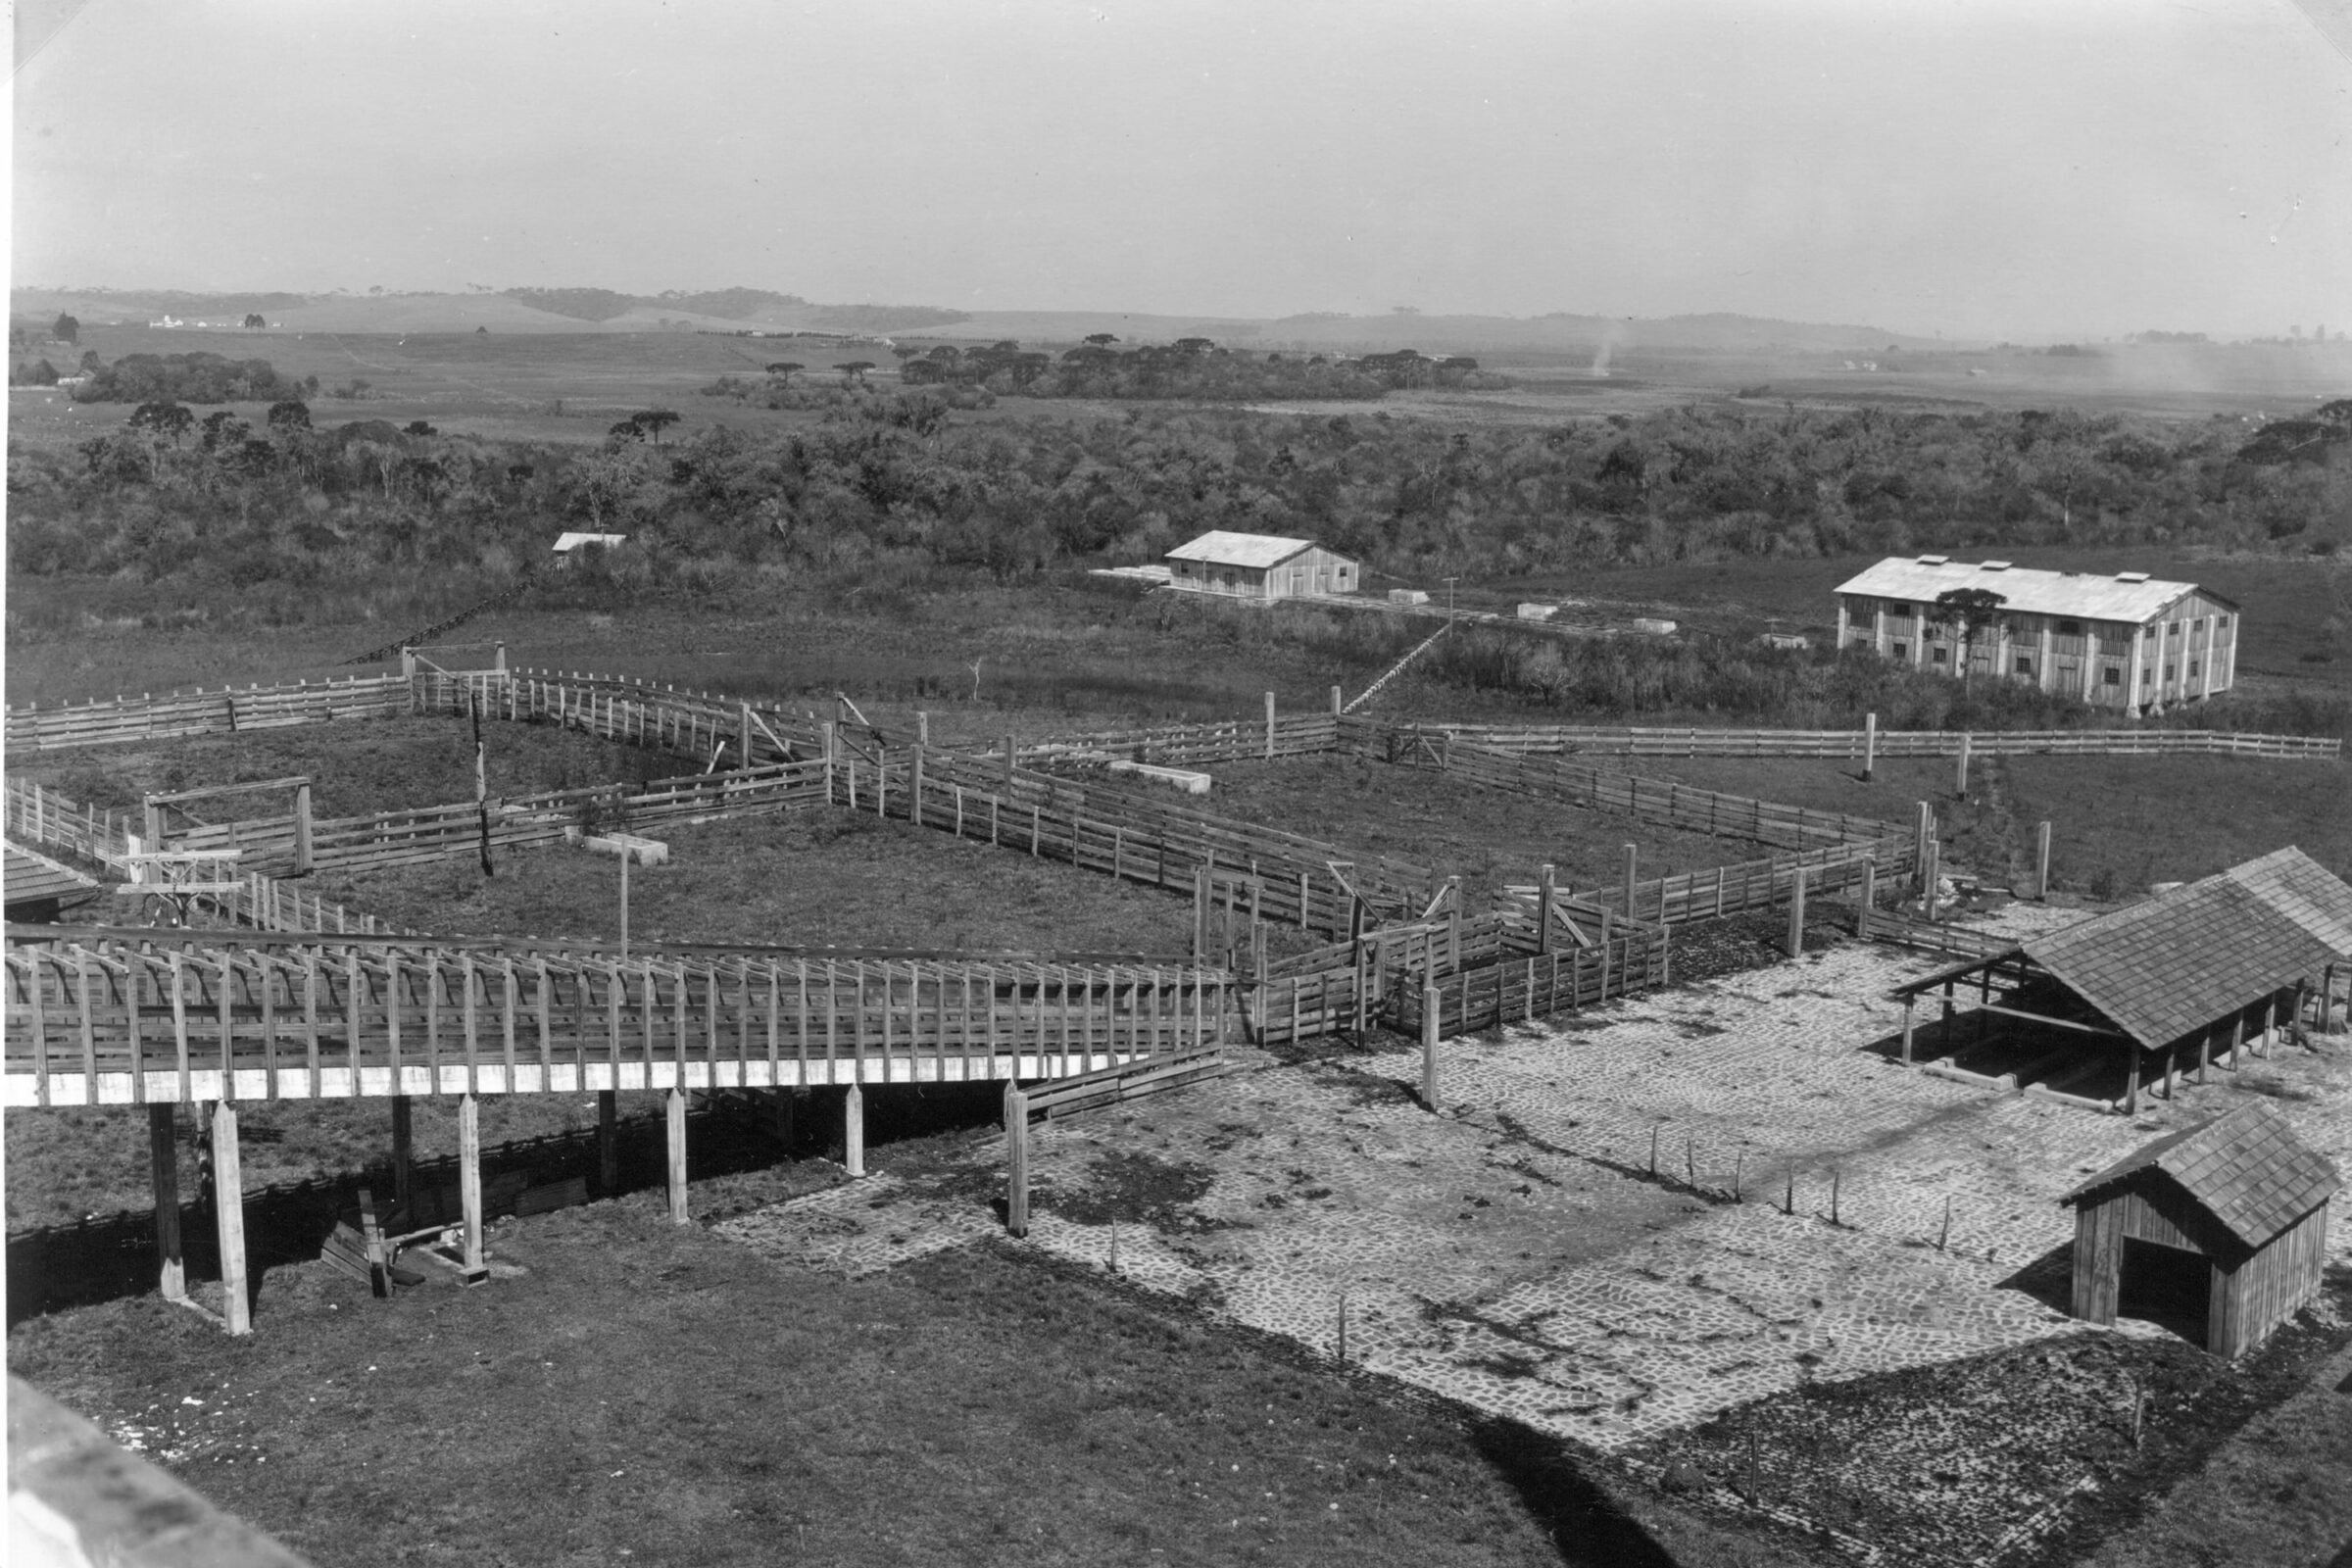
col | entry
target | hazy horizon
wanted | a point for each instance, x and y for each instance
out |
(1985, 170)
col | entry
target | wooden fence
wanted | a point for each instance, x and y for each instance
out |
(1936, 936)
(1129, 834)
(120, 1020)
(1646, 800)
(1179, 745)
(127, 719)
(1537, 984)
(1746, 885)
(1525, 740)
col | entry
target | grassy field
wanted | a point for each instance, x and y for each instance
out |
(592, 1404)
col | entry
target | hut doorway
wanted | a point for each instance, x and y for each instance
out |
(2166, 1286)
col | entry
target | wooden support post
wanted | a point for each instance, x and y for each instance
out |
(228, 1217)
(1200, 914)
(1869, 746)
(1907, 1006)
(1796, 914)
(2171, 1080)
(1335, 702)
(2042, 861)
(1632, 857)
(163, 1158)
(1960, 783)
(1269, 726)
(1430, 1003)
(2131, 1070)
(608, 1136)
(1546, 887)
(1453, 929)
(677, 1106)
(400, 1120)
(853, 1131)
(469, 1186)
(1016, 1160)
(302, 828)
(1009, 756)
(1928, 880)
(1868, 899)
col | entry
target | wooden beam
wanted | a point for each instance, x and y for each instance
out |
(2055, 1023)
(853, 1121)
(1016, 1159)
(607, 1135)
(469, 1187)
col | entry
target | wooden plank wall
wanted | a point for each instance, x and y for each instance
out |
(149, 1014)
(2269, 1288)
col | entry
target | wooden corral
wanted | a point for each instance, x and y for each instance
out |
(2240, 1193)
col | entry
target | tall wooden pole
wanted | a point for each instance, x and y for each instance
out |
(1016, 1160)
(228, 1217)
(1796, 913)
(1545, 887)
(853, 1131)
(1631, 860)
(1430, 1003)
(1269, 726)
(469, 1186)
(399, 1141)
(1869, 746)
(625, 858)
(608, 1139)
(676, 1105)
(1960, 784)
(2042, 861)
(163, 1155)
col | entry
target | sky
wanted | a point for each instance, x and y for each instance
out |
(1990, 169)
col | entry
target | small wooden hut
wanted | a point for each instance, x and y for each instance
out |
(2240, 1199)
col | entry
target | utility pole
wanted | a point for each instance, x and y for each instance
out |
(1449, 582)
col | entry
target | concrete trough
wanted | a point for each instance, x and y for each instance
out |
(1175, 779)
(641, 851)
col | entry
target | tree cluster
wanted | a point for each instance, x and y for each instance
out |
(182, 378)
(1190, 369)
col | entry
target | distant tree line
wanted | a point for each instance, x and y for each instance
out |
(184, 378)
(1189, 368)
(893, 485)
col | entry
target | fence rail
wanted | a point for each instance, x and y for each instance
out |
(1936, 936)
(1175, 745)
(1527, 740)
(1527, 987)
(124, 1021)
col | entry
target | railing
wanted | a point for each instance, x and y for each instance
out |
(177, 1016)
(1934, 936)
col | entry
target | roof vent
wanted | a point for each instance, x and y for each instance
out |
(1994, 565)
(1934, 560)
(2130, 576)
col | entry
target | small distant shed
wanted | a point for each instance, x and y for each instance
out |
(569, 545)
(1538, 611)
(2240, 1197)
(1259, 566)
(1652, 627)
(1407, 596)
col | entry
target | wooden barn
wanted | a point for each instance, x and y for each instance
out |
(1262, 567)
(2238, 1205)
(2122, 641)
(2164, 987)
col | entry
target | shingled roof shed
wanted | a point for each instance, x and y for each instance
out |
(2242, 1192)
(2178, 979)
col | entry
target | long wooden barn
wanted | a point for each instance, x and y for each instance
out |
(2238, 1205)
(1258, 565)
(2169, 985)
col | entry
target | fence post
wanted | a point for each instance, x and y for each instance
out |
(1960, 784)
(1269, 726)
(923, 727)
(1544, 886)
(301, 827)
(1869, 746)
(1870, 898)
(675, 1107)
(1430, 1003)
(1927, 879)
(852, 1130)
(1453, 924)
(1335, 702)
(2042, 861)
(1630, 862)
(1796, 914)
(826, 727)
(228, 1217)
(1919, 841)
(1008, 761)
(1016, 1160)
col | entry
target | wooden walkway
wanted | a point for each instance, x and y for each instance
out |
(134, 1016)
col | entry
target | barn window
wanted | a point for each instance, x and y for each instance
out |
(1903, 650)
(2193, 666)
(1939, 656)
(2221, 620)
(2070, 628)
(2171, 629)
(2024, 664)
(2150, 634)
(2115, 676)
(2168, 672)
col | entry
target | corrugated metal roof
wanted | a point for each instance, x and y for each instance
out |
(2303, 891)
(2180, 962)
(2026, 589)
(1253, 549)
(29, 876)
(2247, 1169)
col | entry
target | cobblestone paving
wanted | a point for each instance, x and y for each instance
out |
(1515, 1253)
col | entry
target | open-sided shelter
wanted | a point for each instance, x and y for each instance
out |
(2172, 982)
(1260, 565)
(39, 889)
(2240, 1199)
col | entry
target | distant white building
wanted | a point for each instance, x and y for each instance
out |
(2119, 640)
(569, 545)
(1259, 566)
